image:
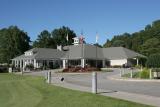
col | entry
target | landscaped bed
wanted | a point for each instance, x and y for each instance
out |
(144, 74)
(80, 69)
(28, 91)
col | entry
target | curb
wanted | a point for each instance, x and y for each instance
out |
(132, 80)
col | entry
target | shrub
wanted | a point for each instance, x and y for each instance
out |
(3, 69)
(153, 61)
(138, 66)
(144, 74)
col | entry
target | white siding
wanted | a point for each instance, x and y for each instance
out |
(118, 62)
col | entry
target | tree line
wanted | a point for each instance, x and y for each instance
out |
(146, 41)
(14, 41)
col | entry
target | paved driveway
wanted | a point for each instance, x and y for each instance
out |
(146, 88)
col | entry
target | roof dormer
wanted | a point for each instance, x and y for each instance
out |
(29, 53)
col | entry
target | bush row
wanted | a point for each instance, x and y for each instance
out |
(80, 69)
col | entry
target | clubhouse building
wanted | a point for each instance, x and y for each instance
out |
(77, 55)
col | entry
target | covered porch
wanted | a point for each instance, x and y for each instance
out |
(99, 63)
(22, 64)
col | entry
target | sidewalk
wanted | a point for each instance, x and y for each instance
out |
(143, 99)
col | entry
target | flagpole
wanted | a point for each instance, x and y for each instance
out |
(96, 48)
(96, 56)
(68, 48)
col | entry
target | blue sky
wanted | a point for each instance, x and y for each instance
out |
(107, 17)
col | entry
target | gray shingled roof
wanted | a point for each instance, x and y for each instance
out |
(43, 53)
(85, 51)
(46, 53)
(89, 52)
(120, 53)
(24, 57)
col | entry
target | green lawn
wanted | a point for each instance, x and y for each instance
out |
(28, 91)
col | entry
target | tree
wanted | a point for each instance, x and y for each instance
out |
(60, 35)
(148, 27)
(98, 45)
(151, 46)
(145, 41)
(44, 40)
(153, 61)
(108, 43)
(13, 42)
(56, 37)
(118, 43)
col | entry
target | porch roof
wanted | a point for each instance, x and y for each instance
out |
(120, 53)
(42, 53)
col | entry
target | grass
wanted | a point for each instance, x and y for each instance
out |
(28, 91)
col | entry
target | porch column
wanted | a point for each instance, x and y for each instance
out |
(18, 63)
(24, 65)
(34, 63)
(137, 61)
(103, 63)
(21, 64)
(30, 61)
(37, 64)
(83, 63)
(64, 63)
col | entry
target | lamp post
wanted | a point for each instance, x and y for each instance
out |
(82, 50)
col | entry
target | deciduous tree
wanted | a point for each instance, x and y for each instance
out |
(13, 42)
